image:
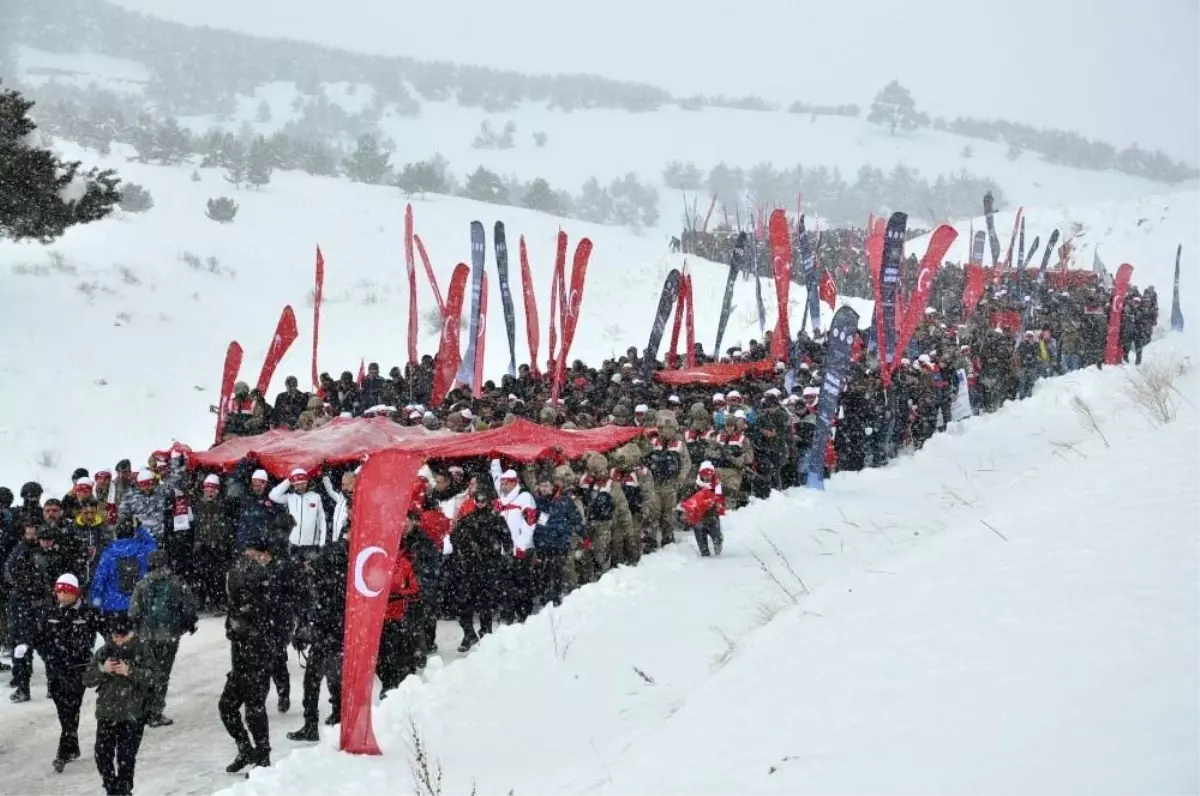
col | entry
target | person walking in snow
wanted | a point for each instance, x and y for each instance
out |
(32, 569)
(248, 627)
(558, 524)
(519, 511)
(147, 504)
(122, 673)
(704, 508)
(122, 565)
(320, 633)
(162, 609)
(482, 545)
(214, 531)
(68, 638)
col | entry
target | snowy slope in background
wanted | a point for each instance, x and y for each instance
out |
(610, 143)
(1056, 654)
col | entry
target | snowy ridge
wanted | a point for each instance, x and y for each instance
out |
(1001, 612)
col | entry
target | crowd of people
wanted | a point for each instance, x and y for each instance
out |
(135, 556)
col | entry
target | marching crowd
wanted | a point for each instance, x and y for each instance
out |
(135, 556)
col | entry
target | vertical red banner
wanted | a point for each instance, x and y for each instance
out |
(381, 499)
(318, 295)
(557, 298)
(229, 374)
(411, 265)
(1012, 242)
(677, 322)
(939, 243)
(285, 334)
(689, 356)
(780, 242)
(572, 302)
(480, 339)
(449, 355)
(973, 290)
(532, 328)
(433, 283)
(1112, 342)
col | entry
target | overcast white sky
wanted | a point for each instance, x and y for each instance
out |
(1120, 70)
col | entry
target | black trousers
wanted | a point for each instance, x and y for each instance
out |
(163, 653)
(279, 668)
(323, 664)
(552, 565)
(209, 568)
(246, 686)
(399, 648)
(66, 689)
(179, 545)
(117, 744)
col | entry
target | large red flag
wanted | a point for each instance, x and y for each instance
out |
(827, 289)
(229, 374)
(449, 353)
(411, 265)
(382, 496)
(939, 243)
(318, 294)
(1013, 240)
(433, 283)
(285, 334)
(781, 266)
(1112, 343)
(572, 301)
(690, 323)
(480, 339)
(362, 372)
(973, 290)
(532, 329)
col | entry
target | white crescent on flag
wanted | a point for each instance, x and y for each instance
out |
(360, 563)
(924, 279)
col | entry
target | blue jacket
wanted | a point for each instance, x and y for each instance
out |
(562, 520)
(255, 513)
(106, 594)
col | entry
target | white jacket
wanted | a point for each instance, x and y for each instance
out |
(341, 510)
(518, 510)
(306, 510)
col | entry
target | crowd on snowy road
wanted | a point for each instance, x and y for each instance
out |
(135, 556)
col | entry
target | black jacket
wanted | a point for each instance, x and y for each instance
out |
(121, 698)
(288, 407)
(327, 602)
(251, 591)
(68, 638)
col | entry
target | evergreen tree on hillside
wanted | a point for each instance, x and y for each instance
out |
(683, 176)
(426, 176)
(540, 196)
(260, 163)
(263, 114)
(485, 186)
(368, 163)
(595, 203)
(726, 184)
(42, 196)
(894, 108)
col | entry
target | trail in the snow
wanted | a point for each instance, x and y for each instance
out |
(186, 758)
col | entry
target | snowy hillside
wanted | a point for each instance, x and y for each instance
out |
(608, 143)
(1003, 612)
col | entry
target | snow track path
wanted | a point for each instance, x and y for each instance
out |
(188, 757)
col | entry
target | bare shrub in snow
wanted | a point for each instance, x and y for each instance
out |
(24, 269)
(562, 646)
(89, 289)
(1152, 388)
(48, 458)
(1088, 418)
(192, 260)
(426, 770)
(59, 264)
(135, 198)
(128, 276)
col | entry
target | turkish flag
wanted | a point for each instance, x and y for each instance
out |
(382, 495)
(827, 289)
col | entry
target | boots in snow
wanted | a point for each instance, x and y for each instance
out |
(306, 733)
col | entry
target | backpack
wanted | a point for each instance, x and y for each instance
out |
(160, 611)
(129, 572)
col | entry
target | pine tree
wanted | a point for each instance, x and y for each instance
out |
(426, 176)
(263, 114)
(485, 138)
(259, 163)
(222, 210)
(508, 139)
(540, 196)
(894, 108)
(595, 203)
(43, 195)
(369, 163)
(485, 186)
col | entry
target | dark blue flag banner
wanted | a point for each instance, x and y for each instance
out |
(889, 283)
(510, 323)
(808, 264)
(842, 332)
(1176, 310)
(466, 372)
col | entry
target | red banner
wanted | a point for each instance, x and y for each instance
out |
(716, 373)
(318, 294)
(480, 339)
(572, 301)
(689, 356)
(827, 289)
(381, 498)
(1112, 343)
(532, 329)
(229, 374)
(677, 322)
(973, 289)
(557, 299)
(449, 355)
(939, 243)
(1013, 240)
(433, 283)
(781, 265)
(362, 372)
(285, 334)
(411, 265)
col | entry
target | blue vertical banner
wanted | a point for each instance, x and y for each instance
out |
(808, 264)
(842, 332)
(466, 371)
(889, 284)
(510, 323)
(1176, 310)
